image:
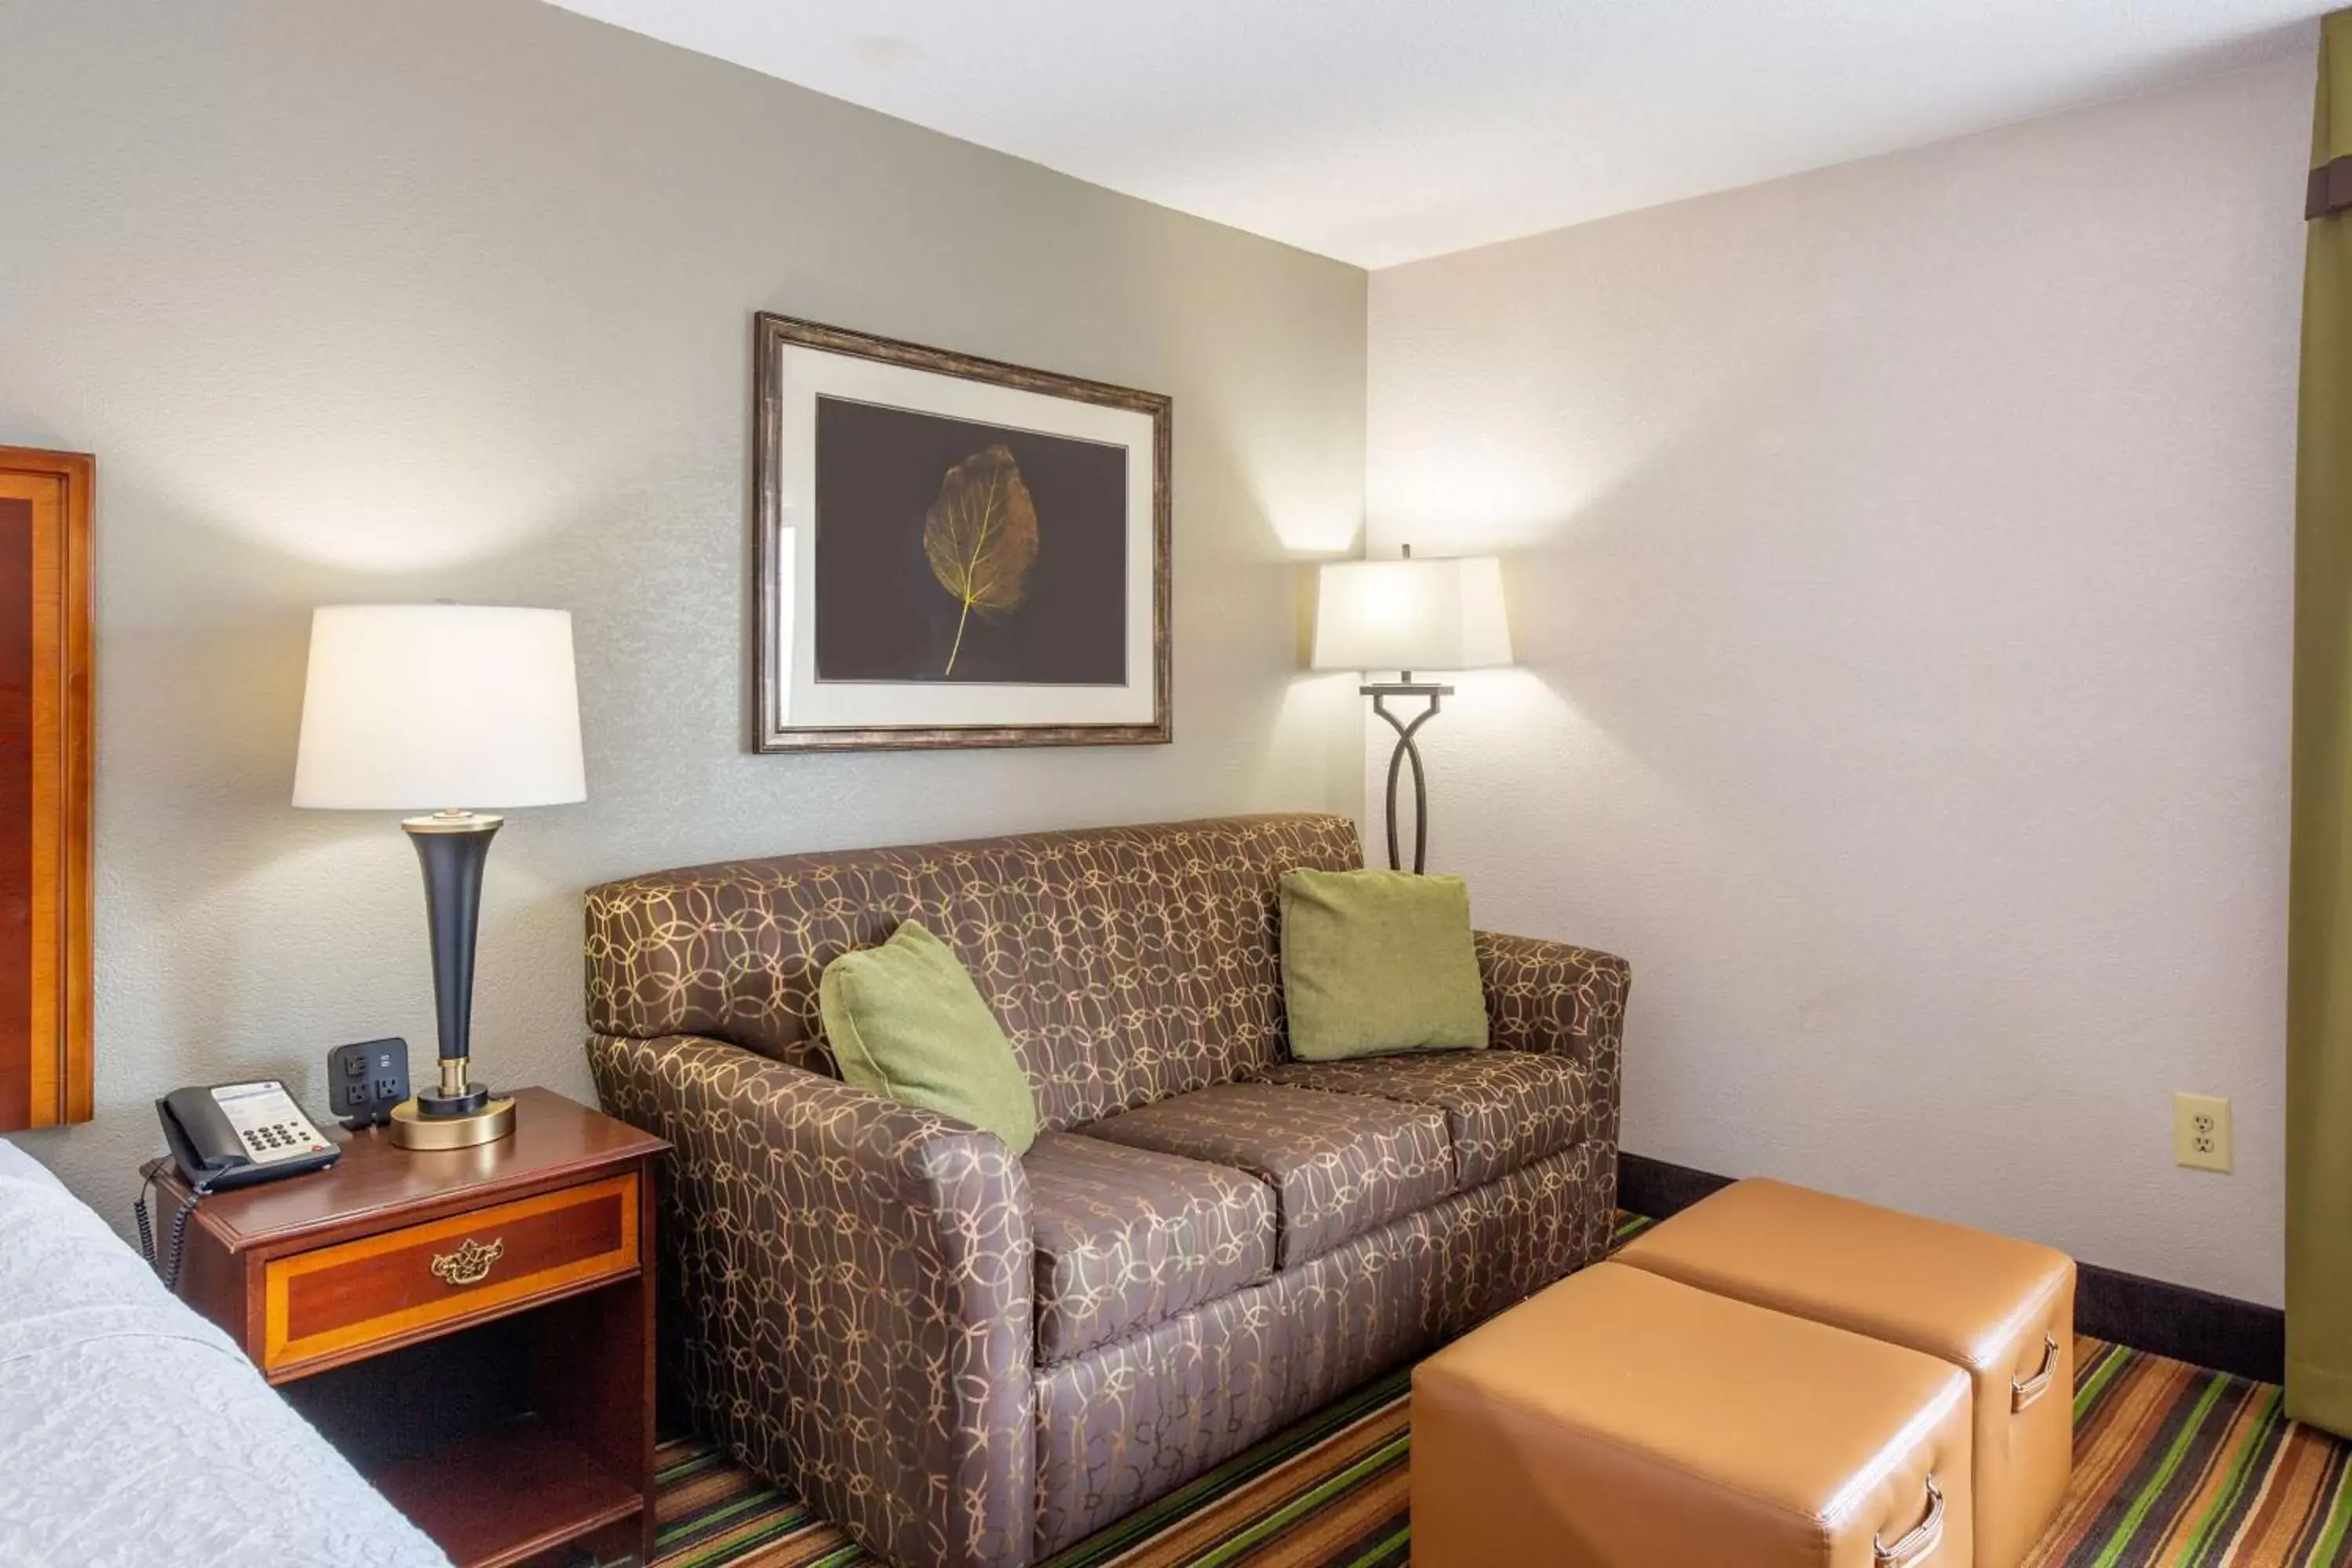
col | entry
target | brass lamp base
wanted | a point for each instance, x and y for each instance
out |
(412, 1129)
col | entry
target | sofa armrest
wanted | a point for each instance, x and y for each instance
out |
(1554, 997)
(850, 1287)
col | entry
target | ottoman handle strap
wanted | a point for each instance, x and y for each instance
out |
(1922, 1538)
(2022, 1394)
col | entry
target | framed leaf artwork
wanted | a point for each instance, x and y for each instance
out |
(953, 552)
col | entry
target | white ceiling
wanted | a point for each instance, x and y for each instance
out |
(1382, 131)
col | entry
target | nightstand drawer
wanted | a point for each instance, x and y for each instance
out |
(367, 1293)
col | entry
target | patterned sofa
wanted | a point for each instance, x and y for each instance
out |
(971, 1358)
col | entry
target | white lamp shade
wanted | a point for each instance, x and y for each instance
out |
(439, 707)
(1411, 615)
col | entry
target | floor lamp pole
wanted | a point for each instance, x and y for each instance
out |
(1380, 692)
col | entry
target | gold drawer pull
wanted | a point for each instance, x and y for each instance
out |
(1924, 1537)
(2021, 1395)
(470, 1264)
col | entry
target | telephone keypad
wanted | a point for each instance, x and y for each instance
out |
(267, 1122)
(280, 1138)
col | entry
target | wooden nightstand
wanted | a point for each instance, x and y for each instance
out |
(473, 1327)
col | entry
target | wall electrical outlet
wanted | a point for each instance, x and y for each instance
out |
(2200, 1132)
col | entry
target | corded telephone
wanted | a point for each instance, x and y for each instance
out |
(230, 1136)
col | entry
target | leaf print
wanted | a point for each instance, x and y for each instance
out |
(980, 538)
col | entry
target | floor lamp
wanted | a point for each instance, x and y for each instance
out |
(1410, 614)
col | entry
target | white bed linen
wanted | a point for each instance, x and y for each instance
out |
(134, 1435)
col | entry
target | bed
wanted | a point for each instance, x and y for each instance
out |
(134, 1433)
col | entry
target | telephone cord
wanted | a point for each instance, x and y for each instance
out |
(167, 1267)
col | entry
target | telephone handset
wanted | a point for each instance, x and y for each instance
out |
(230, 1136)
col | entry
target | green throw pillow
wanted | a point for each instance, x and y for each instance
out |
(906, 1020)
(1374, 962)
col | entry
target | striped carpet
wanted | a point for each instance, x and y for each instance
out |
(2175, 1466)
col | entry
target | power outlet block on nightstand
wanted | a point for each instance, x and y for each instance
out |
(366, 1079)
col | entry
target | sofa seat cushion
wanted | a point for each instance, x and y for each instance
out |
(1339, 1164)
(1128, 1236)
(1504, 1109)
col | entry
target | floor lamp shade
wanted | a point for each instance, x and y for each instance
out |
(1411, 615)
(442, 708)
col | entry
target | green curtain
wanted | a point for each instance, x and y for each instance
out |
(2319, 883)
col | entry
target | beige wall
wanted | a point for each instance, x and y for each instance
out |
(452, 298)
(1903, 580)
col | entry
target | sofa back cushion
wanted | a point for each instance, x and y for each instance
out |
(1126, 964)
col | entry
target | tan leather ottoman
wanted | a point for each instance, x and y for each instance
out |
(2001, 1310)
(1621, 1420)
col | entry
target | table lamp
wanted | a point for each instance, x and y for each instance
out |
(441, 707)
(1408, 614)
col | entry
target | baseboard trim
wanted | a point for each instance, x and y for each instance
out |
(2177, 1320)
(1659, 1188)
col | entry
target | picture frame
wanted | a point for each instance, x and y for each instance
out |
(45, 508)
(953, 552)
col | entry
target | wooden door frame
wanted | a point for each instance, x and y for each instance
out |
(61, 1070)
